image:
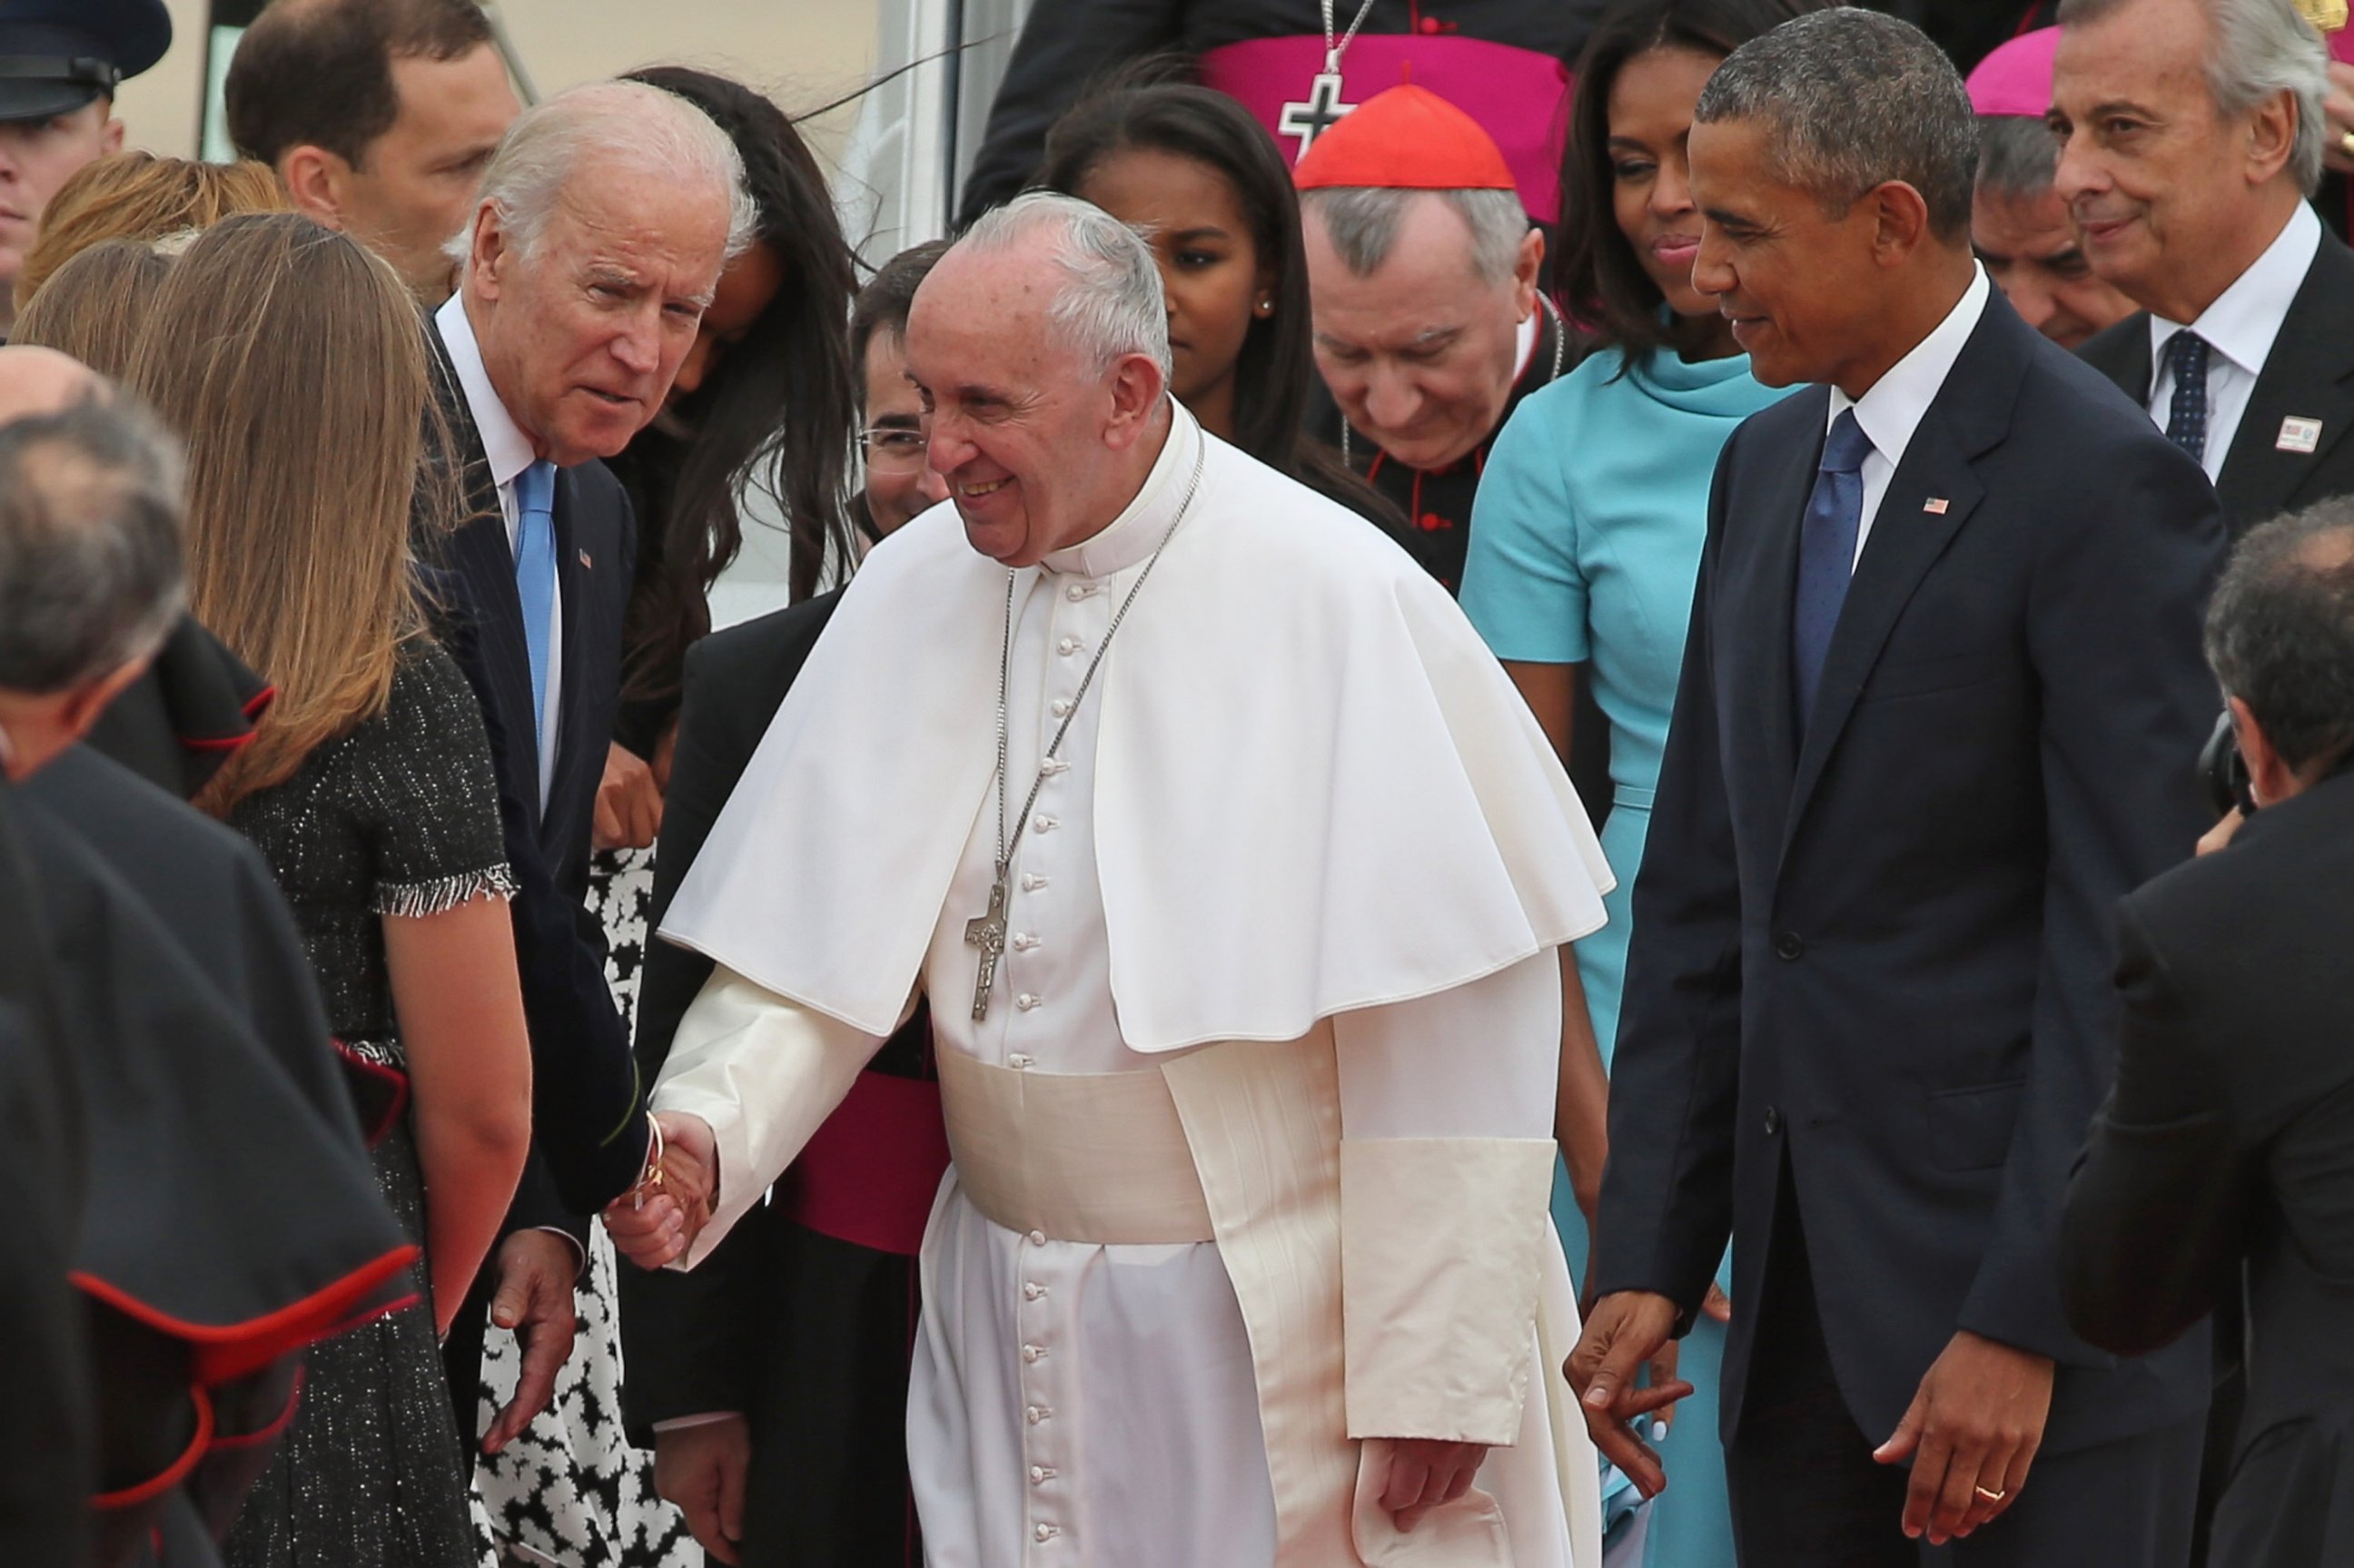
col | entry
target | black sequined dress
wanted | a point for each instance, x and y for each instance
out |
(399, 817)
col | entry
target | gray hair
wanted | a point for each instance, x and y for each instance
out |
(1361, 221)
(1110, 303)
(615, 122)
(2018, 157)
(91, 576)
(1853, 100)
(2280, 631)
(2261, 47)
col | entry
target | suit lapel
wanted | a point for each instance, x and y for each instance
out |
(481, 552)
(1930, 495)
(1760, 685)
(1907, 536)
(2305, 378)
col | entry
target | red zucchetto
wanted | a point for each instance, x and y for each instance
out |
(1406, 138)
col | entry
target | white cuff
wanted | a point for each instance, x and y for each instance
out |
(764, 1073)
(1441, 1246)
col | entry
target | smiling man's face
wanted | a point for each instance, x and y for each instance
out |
(2164, 189)
(1797, 281)
(583, 334)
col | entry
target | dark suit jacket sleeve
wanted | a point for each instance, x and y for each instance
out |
(1065, 45)
(2113, 630)
(690, 1339)
(2158, 1211)
(1667, 1193)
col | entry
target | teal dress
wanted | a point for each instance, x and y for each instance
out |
(1585, 541)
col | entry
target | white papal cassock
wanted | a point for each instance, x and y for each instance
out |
(1254, 1146)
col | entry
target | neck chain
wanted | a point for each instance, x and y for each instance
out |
(987, 932)
(1332, 50)
(1560, 348)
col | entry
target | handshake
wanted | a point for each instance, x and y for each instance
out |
(656, 1221)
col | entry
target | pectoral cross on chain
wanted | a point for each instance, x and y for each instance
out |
(1320, 112)
(987, 932)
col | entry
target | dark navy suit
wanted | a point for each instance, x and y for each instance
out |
(587, 1123)
(1866, 1012)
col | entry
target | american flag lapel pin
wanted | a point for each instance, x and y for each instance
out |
(584, 560)
(2299, 434)
(1935, 506)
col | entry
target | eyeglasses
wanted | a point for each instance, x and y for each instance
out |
(894, 449)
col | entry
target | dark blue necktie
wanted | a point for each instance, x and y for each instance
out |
(1826, 556)
(2186, 418)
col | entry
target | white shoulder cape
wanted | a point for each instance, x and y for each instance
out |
(1315, 789)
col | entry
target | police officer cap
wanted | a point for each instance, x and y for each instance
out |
(58, 55)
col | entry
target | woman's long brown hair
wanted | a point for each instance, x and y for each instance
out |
(293, 363)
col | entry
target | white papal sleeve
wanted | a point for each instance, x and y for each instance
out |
(1447, 1159)
(765, 1072)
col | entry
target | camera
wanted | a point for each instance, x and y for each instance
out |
(2224, 772)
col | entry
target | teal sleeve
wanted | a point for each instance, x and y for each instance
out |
(1524, 586)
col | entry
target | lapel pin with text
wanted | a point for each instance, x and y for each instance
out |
(1935, 506)
(2298, 435)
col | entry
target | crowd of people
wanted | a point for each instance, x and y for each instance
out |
(1581, 803)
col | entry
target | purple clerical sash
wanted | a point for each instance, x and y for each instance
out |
(1519, 96)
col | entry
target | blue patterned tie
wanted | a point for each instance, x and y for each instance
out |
(2186, 419)
(1826, 556)
(535, 490)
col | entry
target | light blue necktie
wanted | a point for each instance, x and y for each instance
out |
(535, 490)
(1826, 556)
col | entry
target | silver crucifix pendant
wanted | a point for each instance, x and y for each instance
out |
(987, 932)
(1319, 112)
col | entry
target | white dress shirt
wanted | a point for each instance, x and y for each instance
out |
(2240, 327)
(509, 452)
(1891, 409)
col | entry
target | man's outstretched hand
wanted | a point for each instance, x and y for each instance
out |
(652, 1224)
(1627, 1331)
(1971, 1433)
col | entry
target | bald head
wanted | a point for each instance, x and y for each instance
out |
(36, 381)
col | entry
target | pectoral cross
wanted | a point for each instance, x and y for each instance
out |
(1321, 111)
(987, 932)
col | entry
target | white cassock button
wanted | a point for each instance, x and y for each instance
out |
(1077, 592)
(1053, 767)
(1067, 646)
(1032, 1290)
(1032, 1353)
(1019, 1060)
(1061, 706)
(1043, 823)
(1041, 1474)
(1045, 1533)
(1026, 1003)
(1031, 882)
(1036, 1414)
(1037, 1238)
(1025, 940)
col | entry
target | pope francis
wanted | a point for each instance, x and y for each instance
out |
(1235, 873)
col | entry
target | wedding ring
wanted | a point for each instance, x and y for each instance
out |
(2346, 142)
(1991, 1497)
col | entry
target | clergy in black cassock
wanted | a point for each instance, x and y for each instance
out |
(803, 1321)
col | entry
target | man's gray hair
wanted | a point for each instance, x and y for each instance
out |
(1110, 301)
(2261, 47)
(1362, 221)
(2280, 631)
(1851, 99)
(2018, 157)
(91, 576)
(624, 124)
